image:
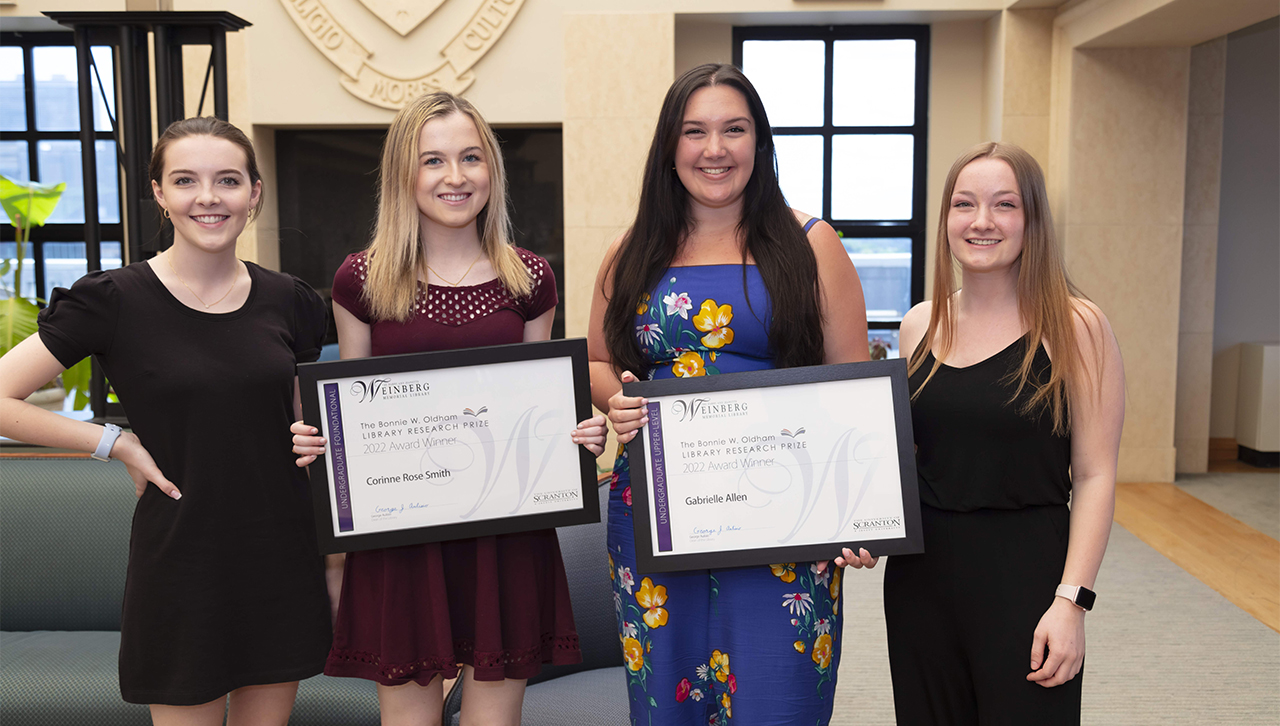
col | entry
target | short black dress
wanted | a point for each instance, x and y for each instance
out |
(225, 587)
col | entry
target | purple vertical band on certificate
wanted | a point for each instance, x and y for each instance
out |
(338, 451)
(661, 510)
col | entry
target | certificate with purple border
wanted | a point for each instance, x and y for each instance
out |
(438, 446)
(772, 466)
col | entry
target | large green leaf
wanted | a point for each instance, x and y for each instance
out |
(29, 204)
(76, 381)
(17, 321)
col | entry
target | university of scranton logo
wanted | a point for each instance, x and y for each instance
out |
(376, 388)
(792, 434)
(560, 495)
(476, 413)
(692, 408)
(452, 63)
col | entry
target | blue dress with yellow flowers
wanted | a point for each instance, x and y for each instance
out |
(737, 647)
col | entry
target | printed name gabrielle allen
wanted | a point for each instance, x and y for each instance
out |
(715, 499)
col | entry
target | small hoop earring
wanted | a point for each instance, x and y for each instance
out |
(164, 212)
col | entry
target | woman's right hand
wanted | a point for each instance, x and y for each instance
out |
(627, 413)
(306, 444)
(141, 467)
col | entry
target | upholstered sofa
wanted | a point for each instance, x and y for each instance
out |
(64, 536)
(64, 544)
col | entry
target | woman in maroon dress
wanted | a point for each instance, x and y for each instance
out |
(441, 274)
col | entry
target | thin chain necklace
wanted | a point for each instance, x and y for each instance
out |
(234, 280)
(464, 275)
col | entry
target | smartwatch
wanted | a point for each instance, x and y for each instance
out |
(110, 432)
(1081, 597)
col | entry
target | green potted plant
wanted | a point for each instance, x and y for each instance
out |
(28, 205)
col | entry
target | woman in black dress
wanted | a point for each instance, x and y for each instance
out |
(1017, 405)
(225, 592)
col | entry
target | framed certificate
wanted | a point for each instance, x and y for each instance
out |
(429, 447)
(786, 465)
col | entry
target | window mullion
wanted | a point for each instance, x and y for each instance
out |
(29, 91)
(37, 256)
(827, 106)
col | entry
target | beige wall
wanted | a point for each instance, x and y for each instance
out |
(702, 41)
(1199, 254)
(1123, 226)
(1123, 144)
(956, 91)
(607, 131)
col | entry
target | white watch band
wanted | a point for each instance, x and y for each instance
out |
(1070, 592)
(110, 432)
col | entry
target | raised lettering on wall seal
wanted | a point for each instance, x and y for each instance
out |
(364, 81)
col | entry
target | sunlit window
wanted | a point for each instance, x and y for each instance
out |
(848, 107)
(40, 140)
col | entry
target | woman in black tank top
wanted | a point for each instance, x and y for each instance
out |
(1017, 402)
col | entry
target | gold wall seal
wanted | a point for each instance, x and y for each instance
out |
(367, 83)
(402, 15)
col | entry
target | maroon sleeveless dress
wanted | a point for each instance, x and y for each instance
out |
(499, 604)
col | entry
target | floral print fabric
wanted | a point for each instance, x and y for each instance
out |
(747, 646)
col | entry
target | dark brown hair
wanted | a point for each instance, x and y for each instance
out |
(205, 126)
(773, 237)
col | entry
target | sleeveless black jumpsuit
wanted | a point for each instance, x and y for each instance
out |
(994, 486)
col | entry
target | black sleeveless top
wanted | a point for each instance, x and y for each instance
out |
(974, 449)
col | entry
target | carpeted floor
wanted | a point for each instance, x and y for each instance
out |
(1251, 498)
(1163, 647)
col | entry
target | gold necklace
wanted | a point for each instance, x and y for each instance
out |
(464, 275)
(234, 280)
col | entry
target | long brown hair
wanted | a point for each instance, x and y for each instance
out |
(1044, 290)
(773, 237)
(396, 254)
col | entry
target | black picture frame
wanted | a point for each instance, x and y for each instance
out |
(309, 374)
(642, 509)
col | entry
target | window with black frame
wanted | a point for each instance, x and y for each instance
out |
(39, 140)
(849, 109)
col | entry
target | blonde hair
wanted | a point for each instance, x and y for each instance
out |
(1045, 294)
(396, 256)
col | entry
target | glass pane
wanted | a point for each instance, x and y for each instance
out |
(57, 99)
(64, 263)
(104, 60)
(800, 172)
(886, 339)
(789, 75)
(874, 83)
(14, 164)
(57, 106)
(9, 253)
(871, 176)
(60, 162)
(108, 183)
(111, 258)
(884, 267)
(13, 99)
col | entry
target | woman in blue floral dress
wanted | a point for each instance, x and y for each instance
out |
(718, 275)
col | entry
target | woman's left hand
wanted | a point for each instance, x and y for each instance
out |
(857, 561)
(591, 434)
(1061, 628)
